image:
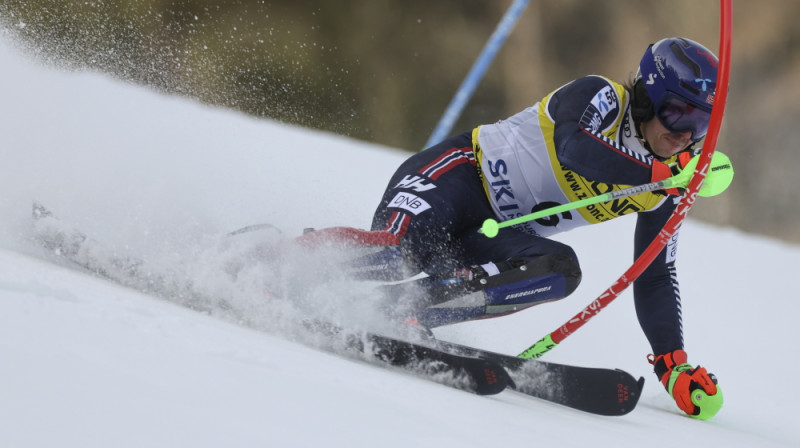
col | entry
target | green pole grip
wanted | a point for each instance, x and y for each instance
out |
(538, 349)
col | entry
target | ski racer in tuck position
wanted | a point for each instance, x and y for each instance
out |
(584, 139)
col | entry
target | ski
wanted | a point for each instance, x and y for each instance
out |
(480, 376)
(596, 390)
(71, 244)
(599, 391)
(483, 377)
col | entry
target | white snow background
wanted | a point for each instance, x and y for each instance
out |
(87, 363)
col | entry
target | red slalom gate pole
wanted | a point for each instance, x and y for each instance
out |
(550, 341)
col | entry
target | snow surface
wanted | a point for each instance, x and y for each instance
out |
(87, 363)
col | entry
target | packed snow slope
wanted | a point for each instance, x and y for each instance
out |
(87, 363)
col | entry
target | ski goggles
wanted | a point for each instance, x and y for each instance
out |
(678, 116)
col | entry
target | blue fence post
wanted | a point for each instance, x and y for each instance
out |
(464, 92)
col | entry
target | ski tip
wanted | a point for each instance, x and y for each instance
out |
(628, 397)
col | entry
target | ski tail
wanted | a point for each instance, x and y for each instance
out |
(71, 244)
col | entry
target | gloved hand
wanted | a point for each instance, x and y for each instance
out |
(664, 170)
(717, 180)
(694, 389)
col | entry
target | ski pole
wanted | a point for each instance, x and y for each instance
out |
(491, 227)
(477, 71)
(551, 340)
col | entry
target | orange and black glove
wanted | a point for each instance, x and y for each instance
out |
(718, 177)
(694, 390)
(661, 171)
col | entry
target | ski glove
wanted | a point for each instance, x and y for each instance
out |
(717, 180)
(661, 171)
(694, 389)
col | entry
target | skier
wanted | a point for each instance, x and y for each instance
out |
(585, 138)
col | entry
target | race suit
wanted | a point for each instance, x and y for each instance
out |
(579, 141)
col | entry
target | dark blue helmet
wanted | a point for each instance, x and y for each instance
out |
(680, 77)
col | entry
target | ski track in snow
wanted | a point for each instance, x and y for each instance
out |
(89, 363)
